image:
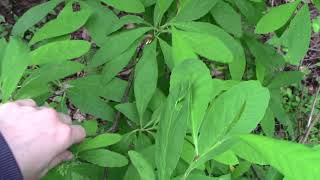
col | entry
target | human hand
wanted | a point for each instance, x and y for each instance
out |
(38, 137)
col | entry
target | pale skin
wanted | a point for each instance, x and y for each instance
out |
(38, 136)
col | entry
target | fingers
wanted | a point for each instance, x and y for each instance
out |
(26, 102)
(77, 134)
(65, 156)
(65, 118)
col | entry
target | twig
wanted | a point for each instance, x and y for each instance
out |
(304, 139)
(313, 107)
(311, 123)
(124, 99)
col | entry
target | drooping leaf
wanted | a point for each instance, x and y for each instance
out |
(249, 11)
(56, 52)
(276, 18)
(172, 130)
(285, 79)
(167, 53)
(299, 36)
(268, 123)
(227, 18)
(145, 80)
(237, 66)
(196, 73)
(208, 46)
(33, 16)
(104, 158)
(194, 9)
(181, 50)
(91, 127)
(114, 66)
(14, 63)
(99, 141)
(143, 167)
(249, 101)
(100, 15)
(128, 19)
(160, 8)
(115, 45)
(67, 22)
(294, 161)
(45, 74)
(131, 6)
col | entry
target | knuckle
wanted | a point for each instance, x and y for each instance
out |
(10, 105)
(50, 114)
(63, 135)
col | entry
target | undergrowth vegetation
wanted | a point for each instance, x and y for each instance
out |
(172, 89)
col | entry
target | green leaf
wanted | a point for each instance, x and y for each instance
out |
(56, 52)
(38, 81)
(14, 63)
(249, 101)
(199, 176)
(181, 50)
(171, 130)
(99, 141)
(227, 18)
(67, 22)
(207, 46)
(132, 6)
(33, 16)
(143, 167)
(299, 36)
(167, 53)
(160, 8)
(100, 15)
(194, 9)
(130, 111)
(276, 18)
(287, 158)
(128, 19)
(265, 54)
(196, 73)
(115, 45)
(104, 158)
(114, 90)
(268, 123)
(114, 66)
(238, 65)
(85, 93)
(227, 158)
(188, 154)
(91, 127)
(145, 80)
(249, 11)
(285, 78)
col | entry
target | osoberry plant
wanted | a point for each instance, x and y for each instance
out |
(168, 89)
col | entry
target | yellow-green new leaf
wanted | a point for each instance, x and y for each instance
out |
(276, 18)
(13, 65)
(146, 77)
(143, 167)
(131, 6)
(56, 52)
(294, 161)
